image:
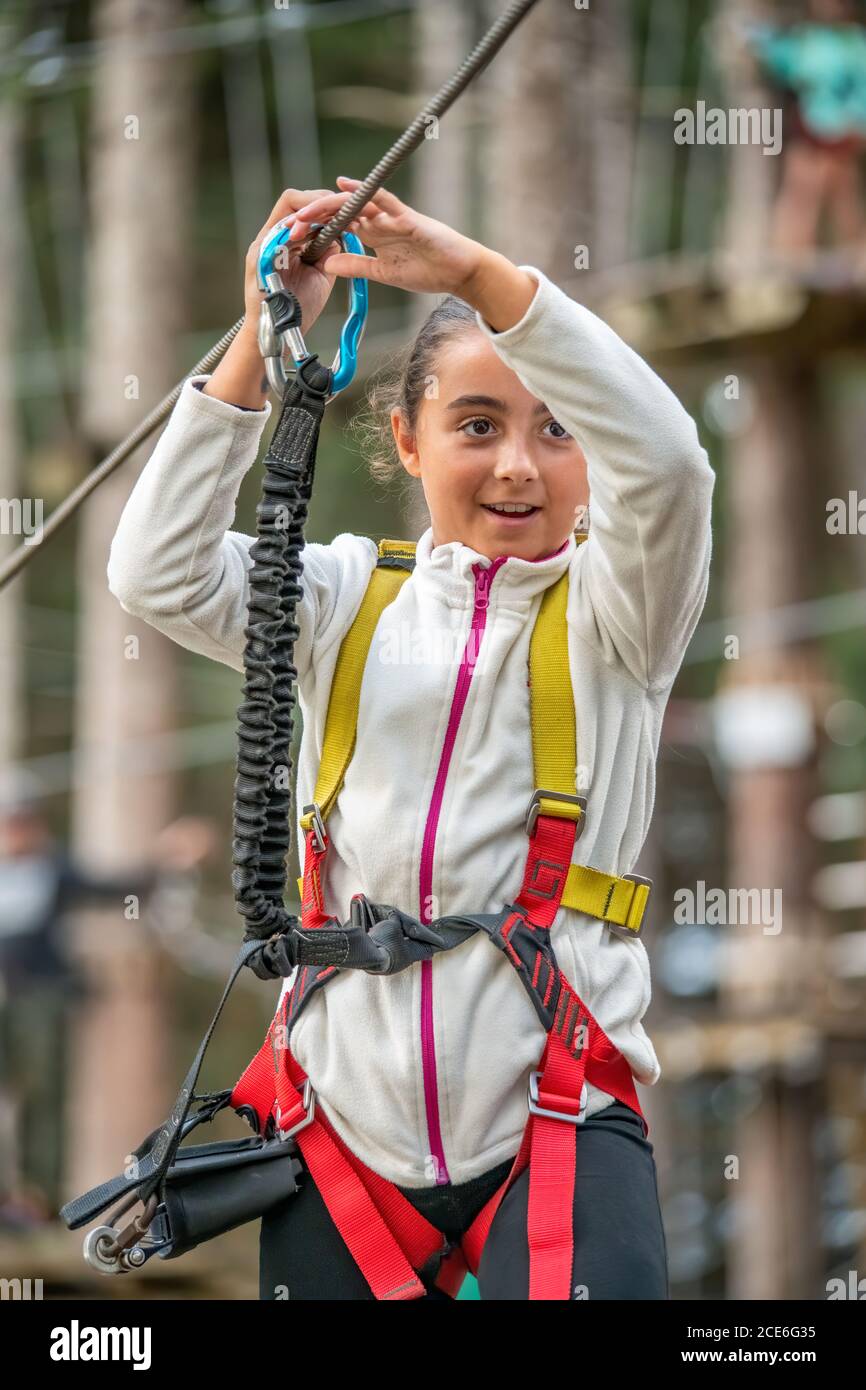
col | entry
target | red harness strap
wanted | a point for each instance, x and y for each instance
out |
(388, 1239)
(577, 1049)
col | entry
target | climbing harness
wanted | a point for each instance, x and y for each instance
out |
(395, 1247)
(192, 1194)
(399, 1252)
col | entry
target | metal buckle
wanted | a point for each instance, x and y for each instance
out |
(318, 826)
(308, 1101)
(536, 1109)
(630, 933)
(534, 807)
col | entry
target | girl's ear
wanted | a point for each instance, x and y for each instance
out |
(405, 444)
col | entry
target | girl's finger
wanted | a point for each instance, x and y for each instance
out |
(288, 202)
(322, 208)
(382, 200)
(347, 266)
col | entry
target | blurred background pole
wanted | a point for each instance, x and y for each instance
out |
(10, 438)
(11, 651)
(139, 264)
(751, 174)
(541, 198)
(443, 32)
(771, 533)
(766, 975)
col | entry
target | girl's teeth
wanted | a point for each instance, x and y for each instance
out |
(509, 507)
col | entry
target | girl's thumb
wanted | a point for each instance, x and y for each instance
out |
(347, 264)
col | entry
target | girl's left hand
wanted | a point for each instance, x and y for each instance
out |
(413, 252)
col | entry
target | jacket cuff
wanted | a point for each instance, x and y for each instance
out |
(194, 398)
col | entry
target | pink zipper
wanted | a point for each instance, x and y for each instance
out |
(483, 580)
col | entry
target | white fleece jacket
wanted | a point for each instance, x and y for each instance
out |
(424, 1095)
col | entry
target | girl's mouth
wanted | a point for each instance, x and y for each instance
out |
(511, 513)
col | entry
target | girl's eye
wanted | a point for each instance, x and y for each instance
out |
(563, 434)
(479, 420)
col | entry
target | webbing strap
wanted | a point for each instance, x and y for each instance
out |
(551, 709)
(269, 1087)
(341, 721)
(547, 862)
(621, 901)
(552, 1172)
(549, 1149)
(388, 1239)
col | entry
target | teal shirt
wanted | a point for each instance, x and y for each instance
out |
(824, 65)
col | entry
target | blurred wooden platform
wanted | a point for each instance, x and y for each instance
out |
(701, 307)
(690, 1047)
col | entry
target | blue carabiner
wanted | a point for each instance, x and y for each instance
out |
(346, 360)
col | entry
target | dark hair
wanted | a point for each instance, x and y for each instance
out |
(404, 384)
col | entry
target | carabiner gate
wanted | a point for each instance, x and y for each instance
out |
(276, 347)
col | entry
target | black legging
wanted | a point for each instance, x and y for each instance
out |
(619, 1241)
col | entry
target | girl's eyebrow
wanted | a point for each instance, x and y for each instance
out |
(492, 402)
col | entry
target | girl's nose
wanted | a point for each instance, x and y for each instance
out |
(514, 463)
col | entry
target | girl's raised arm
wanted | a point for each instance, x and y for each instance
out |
(176, 563)
(641, 577)
(174, 560)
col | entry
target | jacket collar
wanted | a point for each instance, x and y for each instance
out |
(448, 569)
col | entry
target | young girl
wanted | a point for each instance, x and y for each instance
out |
(516, 407)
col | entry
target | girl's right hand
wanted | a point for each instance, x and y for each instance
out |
(311, 283)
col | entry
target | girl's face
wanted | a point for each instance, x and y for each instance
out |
(483, 440)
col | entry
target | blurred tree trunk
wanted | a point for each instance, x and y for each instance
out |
(11, 709)
(443, 35)
(556, 161)
(138, 267)
(770, 562)
(10, 442)
(751, 176)
(775, 972)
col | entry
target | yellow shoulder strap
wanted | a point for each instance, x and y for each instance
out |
(341, 722)
(551, 707)
(620, 902)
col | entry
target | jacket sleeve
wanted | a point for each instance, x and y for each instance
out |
(174, 561)
(639, 581)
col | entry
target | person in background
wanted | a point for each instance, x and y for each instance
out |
(820, 66)
(40, 983)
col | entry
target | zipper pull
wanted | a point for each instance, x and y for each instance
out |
(482, 587)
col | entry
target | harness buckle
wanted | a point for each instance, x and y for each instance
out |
(626, 932)
(534, 808)
(536, 1109)
(308, 1101)
(317, 827)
